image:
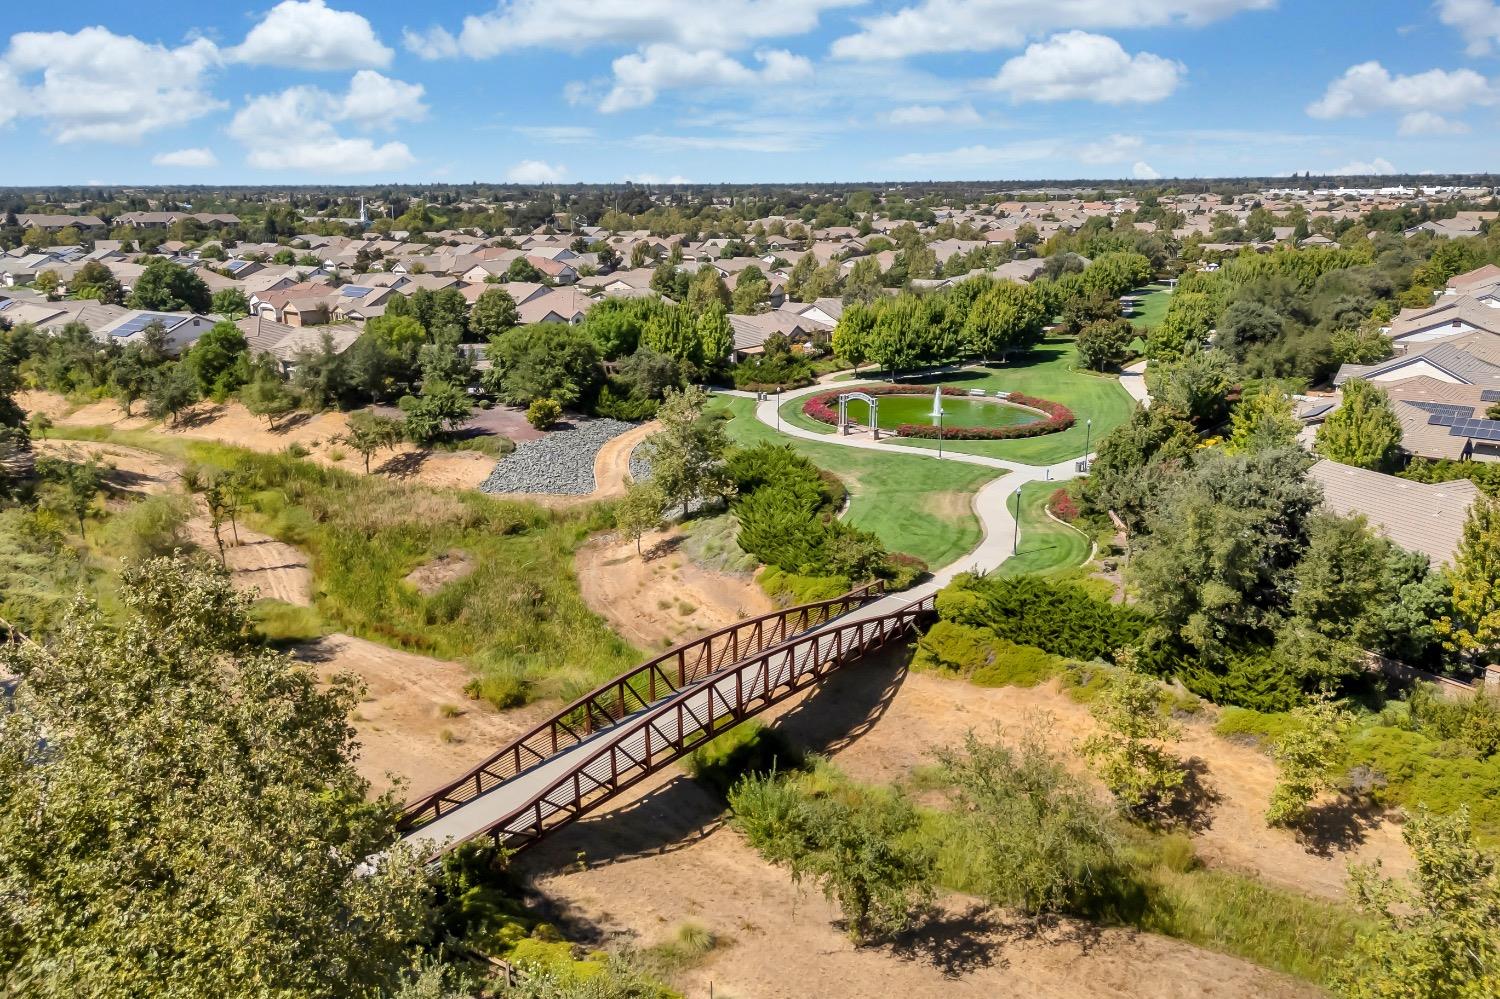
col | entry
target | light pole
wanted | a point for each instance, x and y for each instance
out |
(1015, 541)
(778, 409)
(1088, 436)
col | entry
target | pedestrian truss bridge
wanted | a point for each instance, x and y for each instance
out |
(617, 735)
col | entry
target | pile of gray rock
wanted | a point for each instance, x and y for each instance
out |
(561, 462)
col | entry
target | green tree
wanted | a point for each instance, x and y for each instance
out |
(1340, 589)
(798, 280)
(851, 335)
(671, 331)
(167, 287)
(47, 283)
(1305, 753)
(1189, 320)
(707, 288)
(524, 270)
(1363, 431)
(369, 433)
(1474, 626)
(1129, 752)
(230, 303)
(752, 292)
(267, 396)
(895, 340)
(1265, 421)
(544, 361)
(1036, 838)
(96, 281)
(640, 511)
(219, 360)
(1104, 343)
(155, 724)
(493, 313)
(440, 409)
(715, 337)
(863, 853)
(174, 388)
(1196, 383)
(1363, 344)
(1437, 937)
(130, 376)
(70, 487)
(687, 454)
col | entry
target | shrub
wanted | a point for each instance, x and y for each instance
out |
(543, 414)
(1063, 506)
(981, 656)
(789, 588)
(619, 406)
(749, 749)
(1061, 618)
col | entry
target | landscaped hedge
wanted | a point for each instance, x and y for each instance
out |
(1060, 618)
(823, 407)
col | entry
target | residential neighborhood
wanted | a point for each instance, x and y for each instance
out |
(948, 499)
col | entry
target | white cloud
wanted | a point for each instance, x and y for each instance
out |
(640, 77)
(536, 172)
(96, 86)
(1361, 168)
(295, 129)
(577, 24)
(199, 157)
(1144, 171)
(307, 34)
(982, 25)
(1062, 154)
(1478, 21)
(933, 114)
(10, 95)
(1370, 87)
(1111, 149)
(561, 134)
(1429, 123)
(1078, 66)
(376, 101)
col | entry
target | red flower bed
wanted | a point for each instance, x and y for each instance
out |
(1062, 506)
(823, 407)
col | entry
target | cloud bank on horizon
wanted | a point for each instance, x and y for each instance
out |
(550, 91)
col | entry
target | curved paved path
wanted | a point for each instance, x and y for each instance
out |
(990, 502)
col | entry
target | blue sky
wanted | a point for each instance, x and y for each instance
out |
(308, 91)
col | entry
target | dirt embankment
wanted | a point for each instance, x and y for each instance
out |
(662, 856)
(660, 598)
(231, 423)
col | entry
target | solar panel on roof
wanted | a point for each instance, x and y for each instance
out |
(1490, 395)
(354, 291)
(135, 324)
(1444, 408)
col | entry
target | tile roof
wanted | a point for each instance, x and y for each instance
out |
(1420, 517)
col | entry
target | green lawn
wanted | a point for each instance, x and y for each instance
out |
(1155, 298)
(1046, 372)
(913, 504)
(1046, 546)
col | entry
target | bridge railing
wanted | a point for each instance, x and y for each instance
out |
(600, 709)
(695, 714)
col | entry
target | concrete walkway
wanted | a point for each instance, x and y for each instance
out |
(1133, 381)
(991, 502)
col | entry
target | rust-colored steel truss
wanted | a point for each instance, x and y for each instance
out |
(653, 681)
(661, 733)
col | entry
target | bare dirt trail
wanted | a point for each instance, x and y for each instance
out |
(657, 600)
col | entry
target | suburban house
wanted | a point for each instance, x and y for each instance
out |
(1417, 516)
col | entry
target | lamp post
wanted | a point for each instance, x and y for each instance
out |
(778, 409)
(1015, 541)
(1088, 437)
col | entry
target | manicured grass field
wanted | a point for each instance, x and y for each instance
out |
(1153, 308)
(1047, 372)
(913, 504)
(1046, 546)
